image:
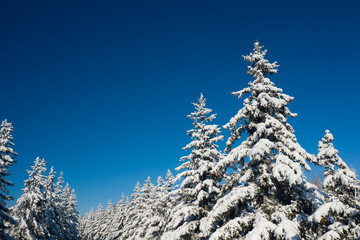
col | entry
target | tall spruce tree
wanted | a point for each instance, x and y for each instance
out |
(339, 216)
(266, 195)
(200, 186)
(7, 155)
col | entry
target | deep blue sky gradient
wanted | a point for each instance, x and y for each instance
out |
(101, 89)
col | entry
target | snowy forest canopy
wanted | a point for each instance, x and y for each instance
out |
(254, 189)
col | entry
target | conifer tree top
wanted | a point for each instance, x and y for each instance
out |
(204, 136)
(260, 67)
(327, 152)
(6, 143)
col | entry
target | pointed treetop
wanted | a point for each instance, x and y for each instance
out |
(100, 207)
(160, 181)
(36, 172)
(199, 116)
(148, 186)
(109, 205)
(52, 173)
(260, 67)
(328, 154)
(137, 187)
(7, 153)
(137, 191)
(60, 181)
(169, 175)
(50, 179)
(148, 180)
(6, 129)
(67, 187)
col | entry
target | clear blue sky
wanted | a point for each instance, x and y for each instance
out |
(101, 89)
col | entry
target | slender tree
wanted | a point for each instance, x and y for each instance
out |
(70, 220)
(7, 155)
(109, 215)
(117, 222)
(99, 221)
(88, 224)
(53, 209)
(146, 208)
(132, 214)
(166, 200)
(200, 186)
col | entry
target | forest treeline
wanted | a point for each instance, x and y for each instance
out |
(254, 189)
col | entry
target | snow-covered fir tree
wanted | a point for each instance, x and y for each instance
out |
(61, 202)
(155, 224)
(7, 155)
(339, 179)
(70, 219)
(53, 209)
(108, 216)
(87, 226)
(146, 209)
(30, 210)
(164, 203)
(99, 222)
(200, 186)
(132, 214)
(266, 195)
(154, 208)
(117, 222)
(339, 216)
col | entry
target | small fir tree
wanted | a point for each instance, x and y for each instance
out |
(339, 216)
